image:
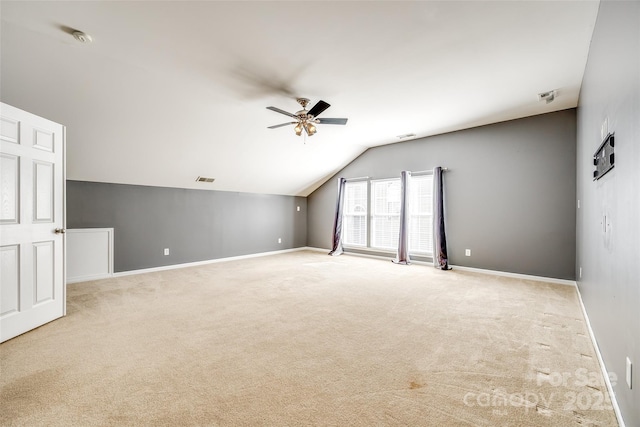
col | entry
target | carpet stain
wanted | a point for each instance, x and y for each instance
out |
(414, 385)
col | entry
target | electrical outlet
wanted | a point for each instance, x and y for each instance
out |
(298, 209)
(279, 240)
(629, 369)
(467, 252)
(580, 273)
(166, 251)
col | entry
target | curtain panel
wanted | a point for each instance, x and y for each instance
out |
(440, 257)
(336, 248)
(402, 256)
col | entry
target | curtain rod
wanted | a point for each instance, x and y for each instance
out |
(443, 170)
(367, 177)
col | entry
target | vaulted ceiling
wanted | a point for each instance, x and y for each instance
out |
(172, 90)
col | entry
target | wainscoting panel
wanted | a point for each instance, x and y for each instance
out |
(89, 254)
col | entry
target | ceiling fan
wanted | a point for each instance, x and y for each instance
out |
(306, 120)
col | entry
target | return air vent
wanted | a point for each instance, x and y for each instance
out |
(204, 179)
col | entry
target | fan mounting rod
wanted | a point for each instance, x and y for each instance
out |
(303, 102)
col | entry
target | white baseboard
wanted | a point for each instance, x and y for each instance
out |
(210, 261)
(516, 275)
(605, 373)
(88, 278)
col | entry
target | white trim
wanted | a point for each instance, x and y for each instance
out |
(64, 219)
(109, 232)
(89, 278)
(197, 263)
(605, 373)
(516, 275)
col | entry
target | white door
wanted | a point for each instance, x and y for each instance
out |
(32, 222)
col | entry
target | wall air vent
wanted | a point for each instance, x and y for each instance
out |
(204, 179)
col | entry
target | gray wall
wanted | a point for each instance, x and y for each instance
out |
(610, 261)
(510, 192)
(195, 225)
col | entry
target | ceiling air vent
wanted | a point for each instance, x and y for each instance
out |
(204, 179)
(548, 96)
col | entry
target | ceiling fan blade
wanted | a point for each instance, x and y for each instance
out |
(280, 125)
(277, 110)
(318, 108)
(332, 121)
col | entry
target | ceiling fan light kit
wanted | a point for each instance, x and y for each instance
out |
(307, 119)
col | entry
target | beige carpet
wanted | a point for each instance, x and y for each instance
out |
(308, 339)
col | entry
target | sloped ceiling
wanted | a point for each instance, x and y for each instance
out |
(171, 90)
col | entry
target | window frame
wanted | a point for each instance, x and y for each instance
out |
(369, 223)
(366, 216)
(429, 252)
(373, 216)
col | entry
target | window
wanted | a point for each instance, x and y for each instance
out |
(354, 222)
(380, 230)
(385, 213)
(421, 214)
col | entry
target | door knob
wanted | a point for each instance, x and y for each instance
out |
(60, 231)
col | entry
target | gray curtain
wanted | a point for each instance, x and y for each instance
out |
(440, 257)
(402, 257)
(336, 248)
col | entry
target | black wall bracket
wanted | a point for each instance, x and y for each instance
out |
(604, 157)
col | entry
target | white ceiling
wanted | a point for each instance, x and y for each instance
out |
(170, 90)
